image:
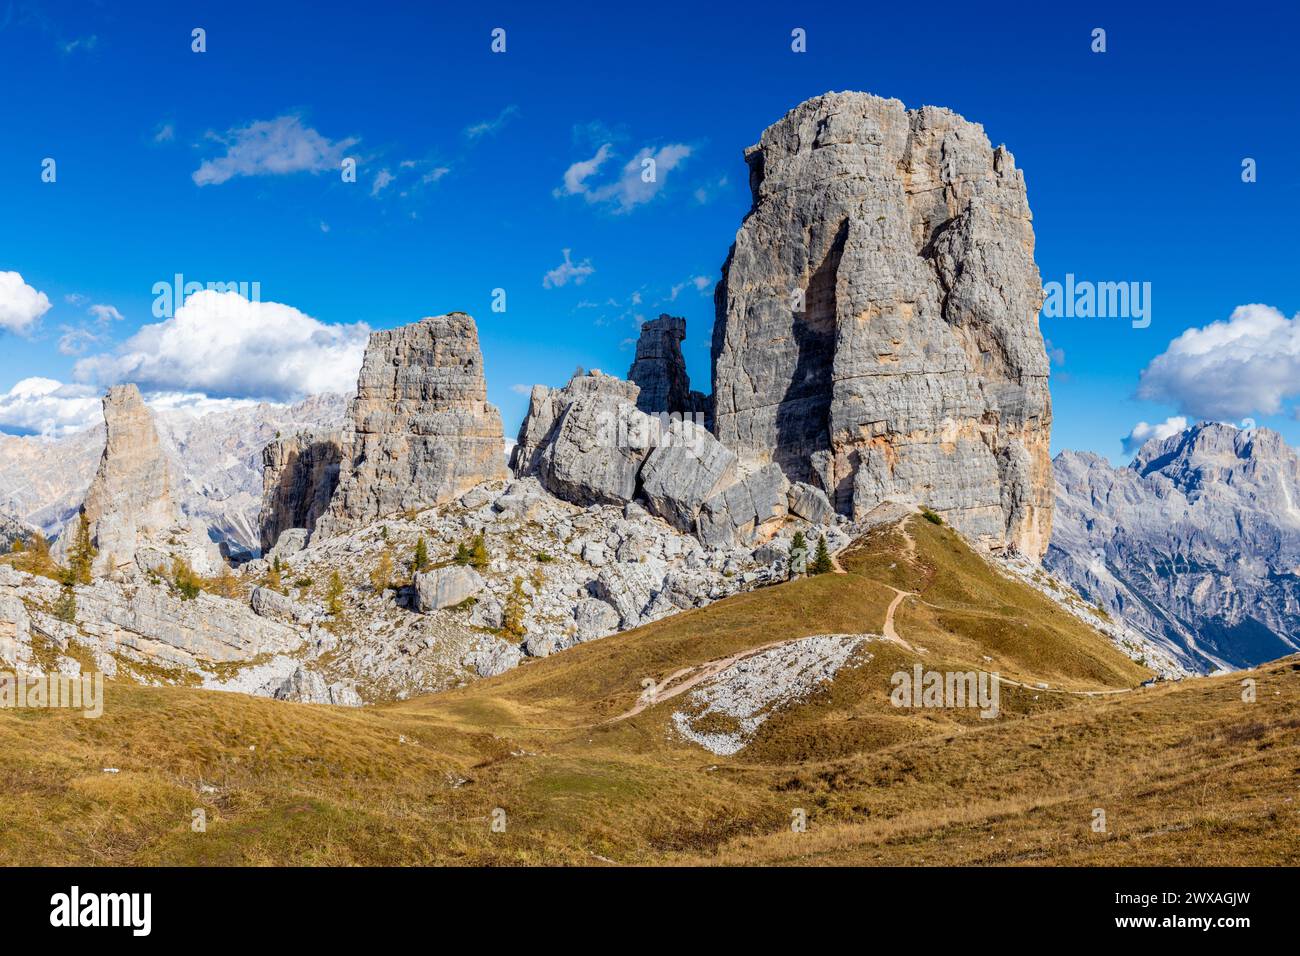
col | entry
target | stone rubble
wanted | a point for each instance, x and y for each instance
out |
(755, 687)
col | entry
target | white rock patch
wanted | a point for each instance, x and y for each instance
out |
(750, 690)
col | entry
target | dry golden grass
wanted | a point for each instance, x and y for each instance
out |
(1186, 773)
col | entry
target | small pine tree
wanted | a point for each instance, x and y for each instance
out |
(463, 554)
(334, 595)
(382, 574)
(822, 562)
(512, 616)
(799, 542)
(478, 558)
(16, 546)
(65, 607)
(81, 559)
(421, 560)
(38, 560)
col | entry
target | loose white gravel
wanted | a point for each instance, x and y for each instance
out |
(750, 690)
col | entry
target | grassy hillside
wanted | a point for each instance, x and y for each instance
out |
(1186, 773)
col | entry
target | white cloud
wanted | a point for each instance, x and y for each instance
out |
(382, 181)
(75, 340)
(1143, 432)
(638, 182)
(566, 270)
(81, 43)
(105, 313)
(522, 389)
(223, 345)
(488, 127)
(21, 306)
(165, 133)
(46, 407)
(1226, 370)
(272, 148)
(1055, 356)
(52, 409)
(702, 285)
(576, 176)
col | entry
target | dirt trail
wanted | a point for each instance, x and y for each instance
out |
(888, 630)
(680, 681)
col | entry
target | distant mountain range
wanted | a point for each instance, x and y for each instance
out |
(1196, 543)
(218, 459)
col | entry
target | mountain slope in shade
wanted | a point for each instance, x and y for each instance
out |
(216, 458)
(1196, 543)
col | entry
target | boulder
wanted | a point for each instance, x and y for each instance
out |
(597, 451)
(809, 503)
(489, 612)
(446, 587)
(685, 469)
(276, 606)
(736, 514)
(309, 687)
(15, 632)
(594, 619)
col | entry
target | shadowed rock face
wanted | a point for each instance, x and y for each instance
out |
(1196, 543)
(424, 432)
(299, 476)
(876, 329)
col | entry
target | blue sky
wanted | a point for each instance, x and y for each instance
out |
(224, 166)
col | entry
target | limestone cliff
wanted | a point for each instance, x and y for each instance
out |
(876, 328)
(299, 475)
(424, 432)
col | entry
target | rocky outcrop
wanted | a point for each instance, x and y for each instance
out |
(659, 370)
(1196, 543)
(875, 329)
(424, 432)
(129, 506)
(151, 623)
(588, 443)
(585, 442)
(299, 475)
